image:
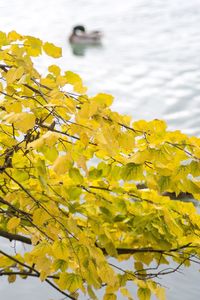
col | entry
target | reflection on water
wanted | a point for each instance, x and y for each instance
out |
(80, 49)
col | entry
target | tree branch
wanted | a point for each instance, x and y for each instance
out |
(37, 274)
(15, 237)
(13, 207)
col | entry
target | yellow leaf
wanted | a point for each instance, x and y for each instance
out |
(174, 227)
(82, 163)
(33, 46)
(22, 121)
(51, 50)
(161, 294)
(100, 138)
(60, 250)
(5, 262)
(3, 39)
(62, 164)
(43, 265)
(13, 223)
(1, 87)
(107, 274)
(61, 80)
(76, 81)
(14, 36)
(13, 106)
(126, 293)
(36, 144)
(90, 274)
(141, 125)
(41, 249)
(40, 216)
(103, 99)
(50, 153)
(72, 226)
(11, 278)
(88, 109)
(49, 139)
(14, 74)
(54, 69)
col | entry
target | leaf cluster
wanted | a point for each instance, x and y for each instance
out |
(83, 184)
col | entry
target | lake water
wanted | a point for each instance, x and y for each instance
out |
(150, 62)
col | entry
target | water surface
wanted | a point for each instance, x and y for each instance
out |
(150, 62)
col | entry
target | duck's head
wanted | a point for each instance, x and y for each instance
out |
(78, 28)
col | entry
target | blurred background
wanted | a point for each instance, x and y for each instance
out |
(149, 61)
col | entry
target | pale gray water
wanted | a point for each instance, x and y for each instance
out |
(150, 62)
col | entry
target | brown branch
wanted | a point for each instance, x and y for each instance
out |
(23, 273)
(18, 273)
(15, 237)
(59, 290)
(35, 91)
(136, 197)
(14, 208)
(182, 149)
(64, 133)
(18, 262)
(122, 251)
(162, 272)
(58, 131)
(4, 67)
(142, 275)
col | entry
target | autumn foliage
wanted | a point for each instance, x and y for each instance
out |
(88, 188)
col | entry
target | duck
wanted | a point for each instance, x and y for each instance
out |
(81, 37)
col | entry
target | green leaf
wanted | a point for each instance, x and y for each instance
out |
(91, 293)
(70, 282)
(144, 294)
(50, 153)
(164, 183)
(11, 278)
(95, 173)
(109, 297)
(60, 264)
(74, 193)
(76, 175)
(132, 172)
